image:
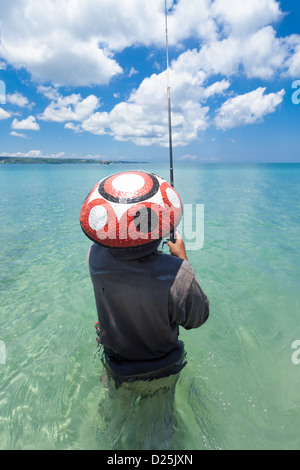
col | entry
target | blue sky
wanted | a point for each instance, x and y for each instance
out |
(88, 79)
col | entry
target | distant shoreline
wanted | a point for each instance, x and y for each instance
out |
(58, 161)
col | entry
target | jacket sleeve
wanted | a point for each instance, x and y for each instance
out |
(196, 307)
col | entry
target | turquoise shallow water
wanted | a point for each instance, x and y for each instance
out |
(240, 389)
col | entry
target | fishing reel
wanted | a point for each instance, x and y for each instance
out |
(171, 239)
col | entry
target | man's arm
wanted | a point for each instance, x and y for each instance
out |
(178, 248)
(196, 305)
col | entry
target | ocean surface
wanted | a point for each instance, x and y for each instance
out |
(240, 388)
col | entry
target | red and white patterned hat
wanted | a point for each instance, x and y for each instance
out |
(130, 209)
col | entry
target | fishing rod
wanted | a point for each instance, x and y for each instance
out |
(169, 100)
(172, 235)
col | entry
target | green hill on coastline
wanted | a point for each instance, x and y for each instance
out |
(57, 161)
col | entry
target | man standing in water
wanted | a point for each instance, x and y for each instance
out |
(142, 295)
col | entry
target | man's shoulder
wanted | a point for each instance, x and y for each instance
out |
(97, 254)
(182, 265)
(94, 250)
(158, 260)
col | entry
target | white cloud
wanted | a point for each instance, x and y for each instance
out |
(192, 18)
(18, 134)
(18, 99)
(69, 108)
(258, 55)
(77, 38)
(189, 158)
(40, 154)
(31, 153)
(218, 57)
(97, 124)
(58, 41)
(4, 114)
(293, 59)
(248, 108)
(49, 92)
(73, 43)
(132, 72)
(209, 159)
(73, 127)
(263, 54)
(242, 17)
(216, 88)
(143, 117)
(29, 124)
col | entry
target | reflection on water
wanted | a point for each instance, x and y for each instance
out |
(137, 415)
(132, 420)
(171, 413)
